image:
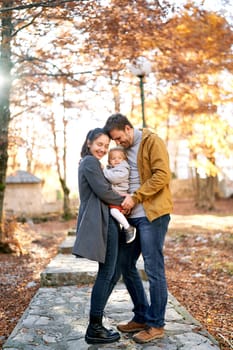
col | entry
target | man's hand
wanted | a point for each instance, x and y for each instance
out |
(128, 203)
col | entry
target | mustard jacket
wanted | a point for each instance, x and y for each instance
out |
(155, 175)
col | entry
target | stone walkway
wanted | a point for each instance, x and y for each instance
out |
(58, 314)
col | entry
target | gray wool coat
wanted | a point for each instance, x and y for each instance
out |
(92, 226)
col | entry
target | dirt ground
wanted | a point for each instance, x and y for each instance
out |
(198, 254)
(199, 264)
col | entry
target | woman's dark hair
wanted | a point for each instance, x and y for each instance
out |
(92, 135)
(116, 121)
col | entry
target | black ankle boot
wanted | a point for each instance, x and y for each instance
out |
(97, 334)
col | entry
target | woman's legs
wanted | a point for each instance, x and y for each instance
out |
(96, 332)
(103, 282)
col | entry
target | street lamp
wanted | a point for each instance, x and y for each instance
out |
(141, 67)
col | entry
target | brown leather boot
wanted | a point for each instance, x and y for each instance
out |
(148, 335)
(131, 327)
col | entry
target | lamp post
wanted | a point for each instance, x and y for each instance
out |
(141, 67)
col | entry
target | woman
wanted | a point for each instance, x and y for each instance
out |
(97, 232)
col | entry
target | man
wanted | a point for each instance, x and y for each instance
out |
(150, 205)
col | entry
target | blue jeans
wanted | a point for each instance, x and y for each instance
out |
(104, 281)
(149, 241)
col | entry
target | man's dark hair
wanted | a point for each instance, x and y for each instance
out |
(116, 121)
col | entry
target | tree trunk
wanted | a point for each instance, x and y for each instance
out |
(210, 186)
(66, 200)
(204, 188)
(5, 70)
(197, 188)
(115, 81)
(61, 160)
(205, 192)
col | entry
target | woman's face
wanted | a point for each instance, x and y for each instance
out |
(99, 147)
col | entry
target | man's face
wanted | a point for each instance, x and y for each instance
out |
(123, 138)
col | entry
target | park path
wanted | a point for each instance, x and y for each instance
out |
(58, 314)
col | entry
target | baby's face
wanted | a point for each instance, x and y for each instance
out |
(116, 158)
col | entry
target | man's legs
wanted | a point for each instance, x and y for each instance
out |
(152, 235)
(150, 239)
(127, 259)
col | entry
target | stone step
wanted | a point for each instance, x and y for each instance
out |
(67, 270)
(72, 232)
(66, 246)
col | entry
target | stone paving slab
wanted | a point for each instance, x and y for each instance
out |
(57, 319)
(66, 270)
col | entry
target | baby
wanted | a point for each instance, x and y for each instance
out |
(117, 173)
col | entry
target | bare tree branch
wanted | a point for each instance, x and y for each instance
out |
(59, 73)
(37, 4)
(26, 110)
(53, 75)
(28, 24)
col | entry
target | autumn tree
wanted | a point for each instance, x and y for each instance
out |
(5, 69)
(58, 123)
(187, 53)
(17, 61)
(113, 36)
(191, 58)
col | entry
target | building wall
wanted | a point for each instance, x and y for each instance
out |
(28, 200)
(23, 199)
